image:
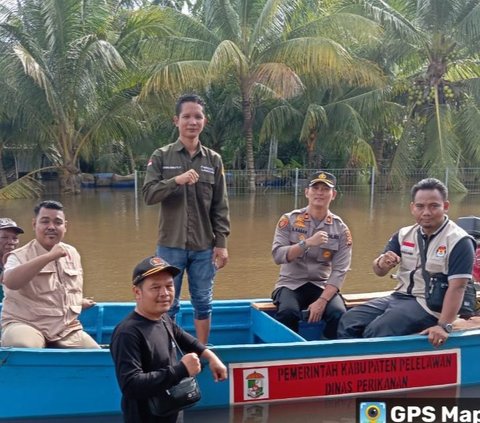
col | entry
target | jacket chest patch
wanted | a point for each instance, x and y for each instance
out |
(207, 169)
(441, 251)
(407, 247)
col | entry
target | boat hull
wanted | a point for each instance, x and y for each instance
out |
(266, 362)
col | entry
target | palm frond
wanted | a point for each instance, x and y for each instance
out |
(222, 16)
(406, 157)
(228, 56)
(271, 23)
(280, 78)
(345, 28)
(177, 77)
(348, 119)
(278, 119)
(468, 127)
(467, 69)
(441, 149)
(327, 60)
(25, 187)
(398, 21)
(315, 119)
(468, 24)
(362, 155)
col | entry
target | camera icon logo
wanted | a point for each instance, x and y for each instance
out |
(373, 412)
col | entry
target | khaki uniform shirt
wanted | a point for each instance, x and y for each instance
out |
(52, 300)
(325, 264)
(193, 217)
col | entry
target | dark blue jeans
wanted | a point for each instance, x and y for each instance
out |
(396, 314)
(201, 272)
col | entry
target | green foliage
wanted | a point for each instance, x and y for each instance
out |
(25, 187)
(432, 51)
(350, 83)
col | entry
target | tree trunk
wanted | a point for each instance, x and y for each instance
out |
(3, 175)
(70, 179)
(378, 144)
(312, 138)
(272, 154)
(248, 130)
(131, 159)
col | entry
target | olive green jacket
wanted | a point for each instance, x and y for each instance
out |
(193, 217)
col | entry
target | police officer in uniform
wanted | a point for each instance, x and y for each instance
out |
(313, 247)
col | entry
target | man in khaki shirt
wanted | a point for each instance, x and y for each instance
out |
(43, 282)
(313, 247)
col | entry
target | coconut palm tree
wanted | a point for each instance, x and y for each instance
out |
(259, 46)
(333, 116)
(65, 73)
(335, 124)
(432, 49)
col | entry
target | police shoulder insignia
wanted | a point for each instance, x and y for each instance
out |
(300, 221)
(348, 235)
(283, 222)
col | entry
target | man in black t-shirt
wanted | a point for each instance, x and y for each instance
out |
(145, 357)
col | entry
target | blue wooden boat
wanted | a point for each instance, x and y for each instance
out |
(109, 180)
(266, 362)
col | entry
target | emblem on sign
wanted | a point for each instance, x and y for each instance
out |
(256, 384)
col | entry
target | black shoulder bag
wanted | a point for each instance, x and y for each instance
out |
(436, 286)
(180, 396)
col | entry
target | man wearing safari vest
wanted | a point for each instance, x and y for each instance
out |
(449, 253)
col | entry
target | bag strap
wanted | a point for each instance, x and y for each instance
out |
(171, 336)
(423, 258)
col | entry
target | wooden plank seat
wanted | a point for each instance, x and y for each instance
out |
(467, 324)
(352, 300)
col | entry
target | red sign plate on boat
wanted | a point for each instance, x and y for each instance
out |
(310, 378)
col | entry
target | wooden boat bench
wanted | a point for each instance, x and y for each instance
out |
(352, 300)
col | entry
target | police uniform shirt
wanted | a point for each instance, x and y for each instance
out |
(320, 265)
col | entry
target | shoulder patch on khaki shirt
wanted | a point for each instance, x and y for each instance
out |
(282, 222)
(348, 236)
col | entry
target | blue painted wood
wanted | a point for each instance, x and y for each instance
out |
(265, 330)
(61, 382)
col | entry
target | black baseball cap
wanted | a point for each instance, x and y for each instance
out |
(7, 223)
(324, 177)
(150, 266)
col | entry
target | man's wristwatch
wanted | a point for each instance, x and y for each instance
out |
(447, 327)
(303, 245)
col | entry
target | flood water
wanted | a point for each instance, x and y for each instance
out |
(332, 410)
(113, 231)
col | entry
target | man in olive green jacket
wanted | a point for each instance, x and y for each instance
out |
(187, 180)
